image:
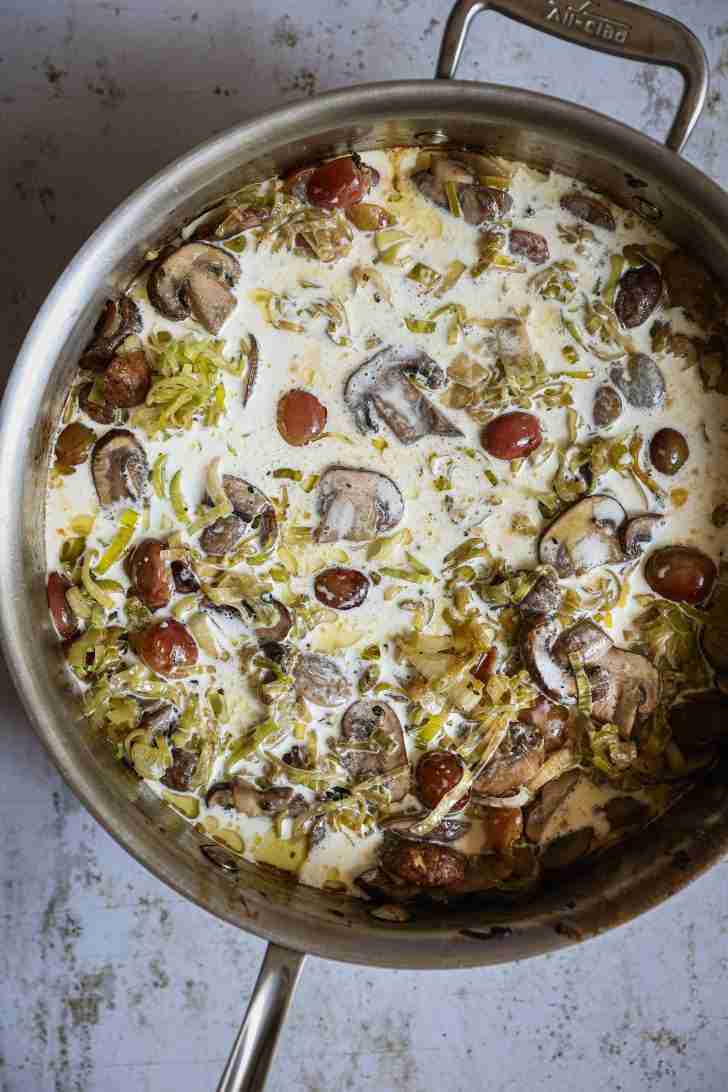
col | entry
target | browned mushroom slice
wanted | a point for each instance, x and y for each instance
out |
(551, 720)
(545, 650)
(689, 285)
(376, 883)
(587, 208)
(641, 382)
(637, 533)
(424, 864)
(507, 340)
(482, 873)
(538, 634)
(478, 204)
(545, 820)
(374, 726)
(449, 830)
(584, 536)
(381, 387)
(120, 318)
(633, 691)
(544, 597)
(119, 467)
(179, 775)
(160, 719)
(249, 505)
(567, 848)
(247, 799)
(517, 760)
(585, 639)
(320, 680)
(279, 629)
(228, 221)
(357, 505)
(251, 369)
(195, 280)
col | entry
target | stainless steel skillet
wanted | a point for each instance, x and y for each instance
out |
(635, 171)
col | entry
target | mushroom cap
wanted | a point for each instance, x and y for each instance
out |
(195, 279)
(448, 830)
(633, 692)
(320, 680)
(636, 533)
(119, 319)
(249, 503)
(119, 467)
(640, 381)
(381, 386)
(584, 536)
(584, 638)
(357, 505)
(545, 649)
(517, 760)
(544, 597)
(362, 721)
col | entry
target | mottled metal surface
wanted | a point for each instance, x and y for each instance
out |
(107, 980)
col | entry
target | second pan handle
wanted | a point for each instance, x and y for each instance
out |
(610, 26)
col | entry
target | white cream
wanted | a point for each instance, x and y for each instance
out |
(249, 446)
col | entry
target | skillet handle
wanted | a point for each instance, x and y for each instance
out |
(253, 1051)
(610, 26)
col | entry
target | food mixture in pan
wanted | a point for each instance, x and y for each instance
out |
(385, 521)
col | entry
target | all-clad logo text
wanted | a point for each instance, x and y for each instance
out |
(582, 17)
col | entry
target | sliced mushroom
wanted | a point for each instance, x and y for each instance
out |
(545, 820)
(251, 370)
(195, 280)
(449, 830)
(378, 884)
(507, 340)
(477, 203)
(249, 504)
(625, 811)
(689, 285)
(538, 634)
(278, 630)
(227, 221)
(545, 650)
(482, 873)
(544, 597)
(377, 724)
(587, 208)
(584, 536)
(247, 799)
(320, 680)
(585, 639)
(551, 720)
(160, 720)
(381, 386)
(357, 505)
(640, 381)
(633, 690)
(424, 864)
(637, 532)
(179, 775)
(120, 318)
(517, 760)
(119, 467)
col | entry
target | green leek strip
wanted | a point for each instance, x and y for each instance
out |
(429, 731)
(310, 483)
(424, 275)
(90, 585)
(583, 689)
(419, 326)
(417, 565)
(453, 201)
(490, 476)
(159, 480)
(452, 275)
(120, 541)
(617, 263)
(410, 576)
(177, 498)
(247, 746)
(288, 473)
(78, 603)
(557, 764)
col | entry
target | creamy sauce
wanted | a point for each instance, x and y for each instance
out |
(248, 445)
